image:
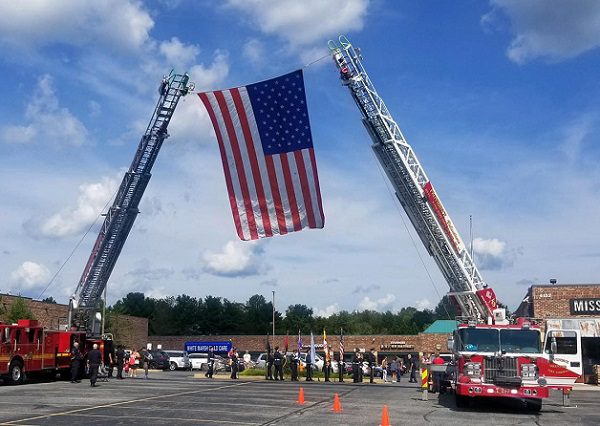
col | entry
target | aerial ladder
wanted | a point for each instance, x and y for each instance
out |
(120, 217)
(415, 191)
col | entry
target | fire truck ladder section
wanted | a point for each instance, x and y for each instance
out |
(413, 189)
(120, 217)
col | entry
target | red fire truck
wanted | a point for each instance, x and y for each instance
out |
(494, 356)
(26, 347)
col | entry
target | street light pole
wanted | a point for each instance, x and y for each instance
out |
(273, 318)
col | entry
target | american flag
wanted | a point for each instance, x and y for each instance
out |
(341, 345)
(268, 158)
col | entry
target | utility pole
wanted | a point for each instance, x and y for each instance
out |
(273, 318)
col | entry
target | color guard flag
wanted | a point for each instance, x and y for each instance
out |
(267, 152)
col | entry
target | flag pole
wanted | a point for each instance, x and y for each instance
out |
(273, 318)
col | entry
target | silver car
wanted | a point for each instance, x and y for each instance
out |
(178, 360)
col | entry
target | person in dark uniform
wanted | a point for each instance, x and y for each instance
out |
(234, 363)
(294, 361)
(278, 363)
(341, 368)
(361, 359)
(270, 361)
(211, 363)
(94, 359)
(412, 368)
(308, 367)
(326, 368)
(120, 355)
(76, 359)
(355, 366)
(372, 363)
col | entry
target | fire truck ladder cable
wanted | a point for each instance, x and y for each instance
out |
(77, 245)
(395, 201)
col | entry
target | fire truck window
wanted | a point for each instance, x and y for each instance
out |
(566, 342)
(18, 336)
(3, 335)
(30, 336)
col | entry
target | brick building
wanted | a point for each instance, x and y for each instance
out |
(384, 345)
(126, 330)
(568, 307)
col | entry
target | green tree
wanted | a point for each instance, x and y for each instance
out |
(135, 304)
(19, 309)
(298, 317)
(49, 299)
(445, 309)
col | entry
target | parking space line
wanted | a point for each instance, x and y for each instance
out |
(13, 422)
(169, 419)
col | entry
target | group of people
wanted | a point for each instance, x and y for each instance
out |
(94, 362)
(233, 362)
(397, 367)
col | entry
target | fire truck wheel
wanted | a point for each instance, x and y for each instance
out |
(534, 404)
(15, 373)
(461, 401)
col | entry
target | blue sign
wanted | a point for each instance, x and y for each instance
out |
(192, 347)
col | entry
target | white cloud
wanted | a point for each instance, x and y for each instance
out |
(303, 23)
(178, 54)
(328, 311)
(555, 30)
(382, 304)
(254, 51)
(575, 135)
(118, 24)
(236, 259)
(491, 254)
(30, 275)
(422, 304)
(46, 121)
(74, 219)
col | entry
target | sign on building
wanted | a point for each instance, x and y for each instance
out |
(585, 306)
(192, 347)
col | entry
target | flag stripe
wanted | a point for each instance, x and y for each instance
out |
(269, 160)
(305, 189)
(239, 165)
(317, 190)
(256, 175)
(291, 195)
(228, 180)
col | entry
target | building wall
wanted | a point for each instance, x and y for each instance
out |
(552, 301)
(422, 342)
(127, 330)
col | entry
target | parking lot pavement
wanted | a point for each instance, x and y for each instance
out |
(178, 397)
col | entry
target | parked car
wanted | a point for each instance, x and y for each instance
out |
(157, 359)
(178, 359)
(198, 360)
(261, 361)
(317, 363)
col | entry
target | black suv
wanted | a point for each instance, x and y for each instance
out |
(157, 359)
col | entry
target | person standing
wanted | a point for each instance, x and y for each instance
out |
(278, 362)
(394, 369)
(372, 363)
(120, 361)
(361, 359)
(294, 361)
(341, 367)
(308, 367)
(412, 368)
(355, 366)
(145, 360)
(270, 361)
(94, 359)
(134, 359)
(109, 357)
(384, 367)
(326, 368)
(234, 363)
(211, 363)
(76, 359)
(438, 375)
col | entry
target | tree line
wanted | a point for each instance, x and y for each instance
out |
(186, 315)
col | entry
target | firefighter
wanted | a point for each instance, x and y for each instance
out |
(361, 359)
(120, 361)
(270, 361)
(76, 359)
(94, 359)
(341, 368)
(355, 366)
(308, 367)
(326, 368)
(278, 362)
(372, 363)
(211, 363)
(294, 361)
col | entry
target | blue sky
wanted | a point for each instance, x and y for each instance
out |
(499, 100)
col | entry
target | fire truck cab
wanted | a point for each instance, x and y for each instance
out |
(27, 347)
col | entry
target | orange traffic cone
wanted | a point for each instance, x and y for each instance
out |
(385, 418)
(337, 407)
(300, 397)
